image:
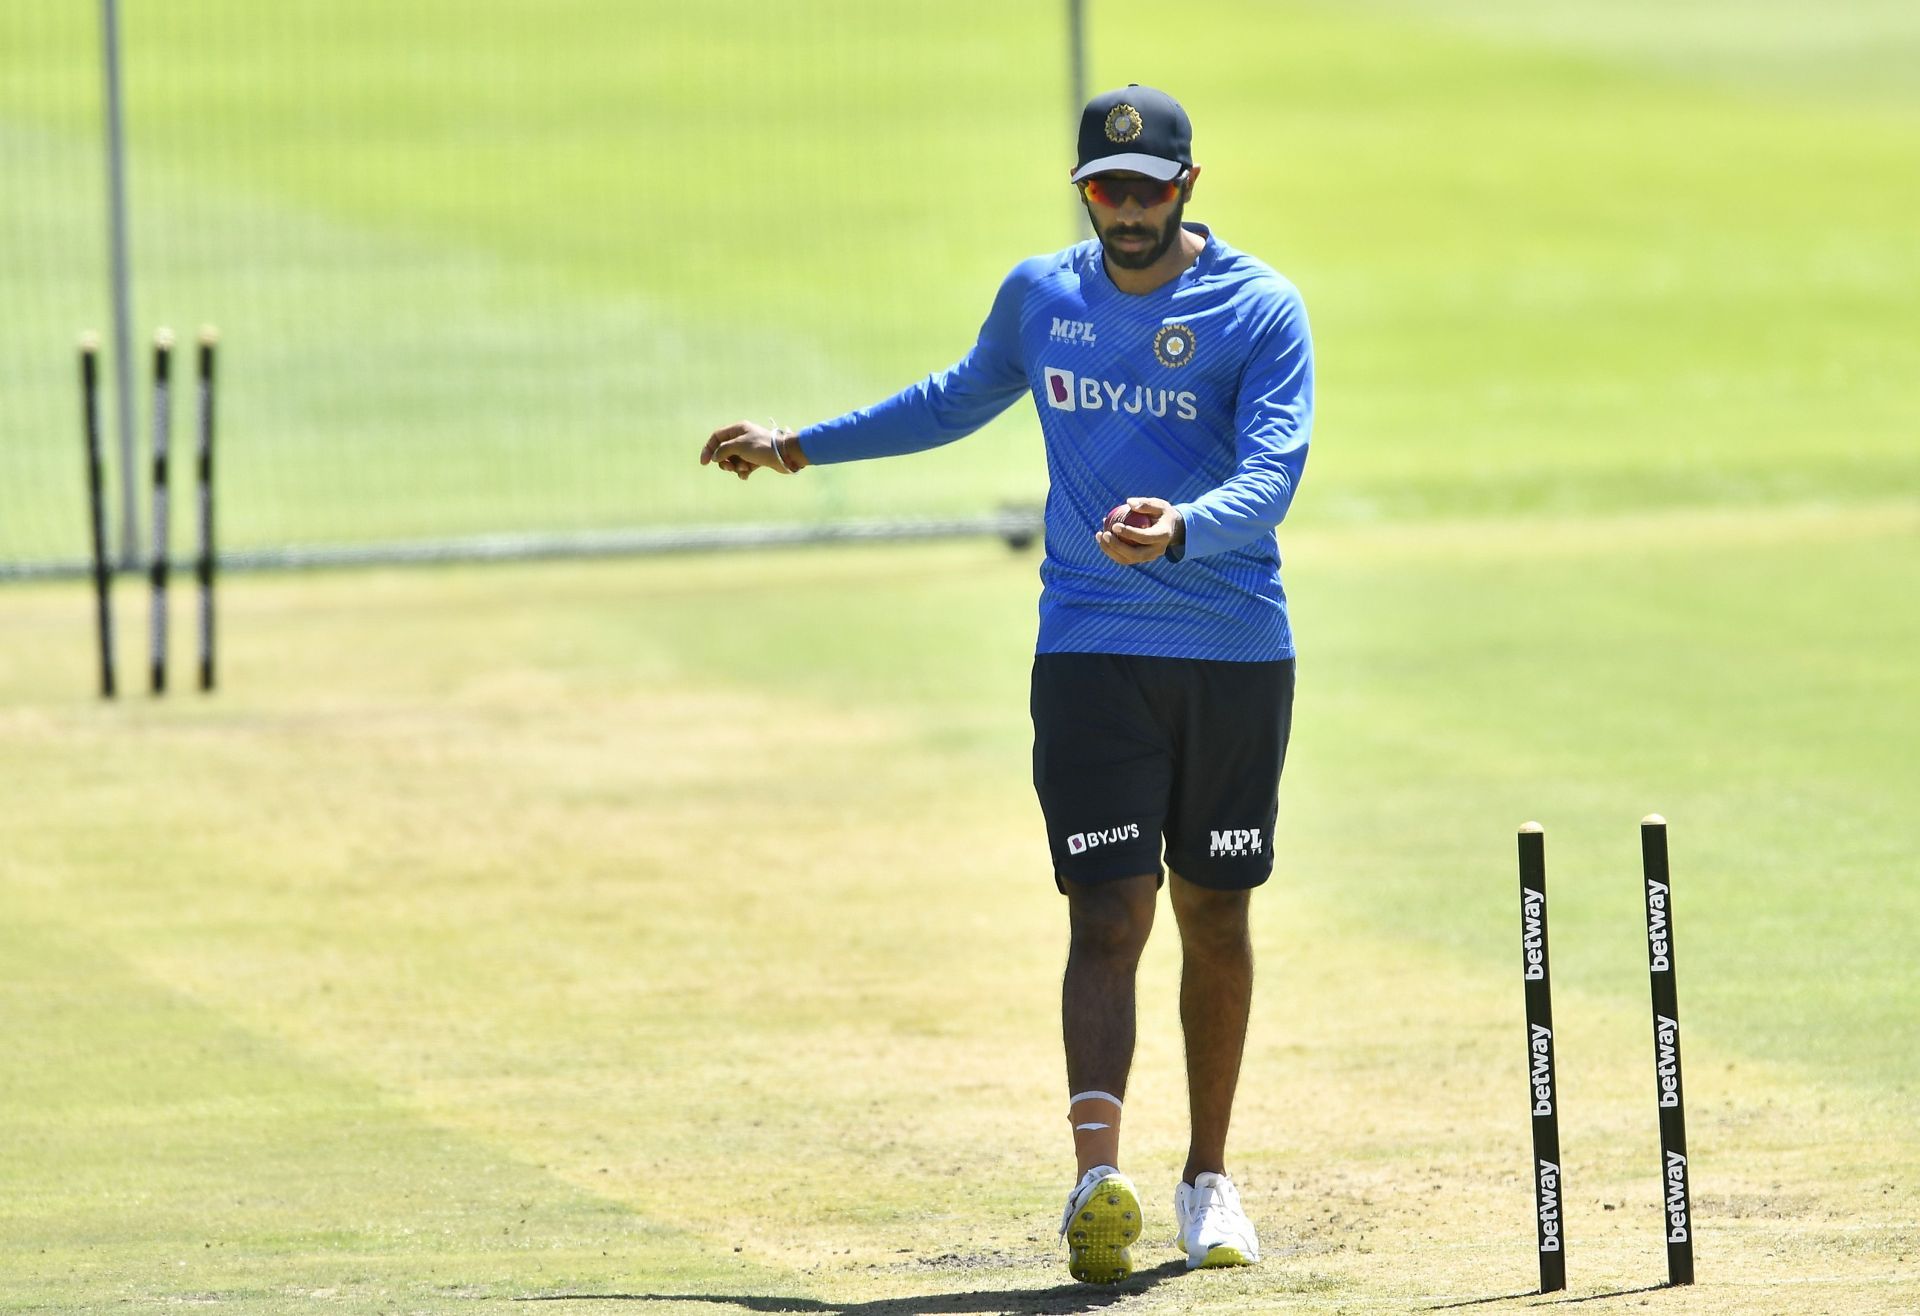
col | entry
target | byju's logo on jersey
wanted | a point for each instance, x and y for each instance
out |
(1235, 842)
(1173, 345)
(1061, 393)
(1071, 331)
(1081, 842)
(1069, 392)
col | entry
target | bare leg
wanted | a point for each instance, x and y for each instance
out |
(1216, 993)
(1110, 923)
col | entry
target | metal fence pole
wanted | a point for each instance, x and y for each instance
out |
(1077, 55)
(1077, 88)
(122, 281)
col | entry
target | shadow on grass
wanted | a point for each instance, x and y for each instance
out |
(1061, 1298)
(1617, 1293)
(1481, 1302)
(1546, 1301)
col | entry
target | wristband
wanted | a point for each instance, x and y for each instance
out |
(780, 458)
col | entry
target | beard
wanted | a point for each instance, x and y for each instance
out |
(1163, 239)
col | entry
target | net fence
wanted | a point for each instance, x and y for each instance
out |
(487, 273)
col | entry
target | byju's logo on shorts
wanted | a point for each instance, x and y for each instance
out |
(1081, 842)
(1066, 392)
(1071, 331)
(1234, 843)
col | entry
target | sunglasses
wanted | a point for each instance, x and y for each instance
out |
(1113, 193)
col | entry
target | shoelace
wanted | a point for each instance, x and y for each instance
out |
(1215, 1197)
(1066, 1216)
(1076, 1197)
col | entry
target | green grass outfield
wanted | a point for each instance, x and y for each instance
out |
(674, 936)
(487, 266)
(681, 930)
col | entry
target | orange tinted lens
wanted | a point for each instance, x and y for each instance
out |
(1114, 192)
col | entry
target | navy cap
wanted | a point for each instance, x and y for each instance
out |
(1136, 129)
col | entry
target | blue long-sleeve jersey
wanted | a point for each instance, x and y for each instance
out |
(1200, 392)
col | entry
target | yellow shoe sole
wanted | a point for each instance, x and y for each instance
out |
(1100, 1235)
(1223, 1256)
(1216, 1257)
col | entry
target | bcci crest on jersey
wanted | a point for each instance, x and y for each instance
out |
(1173, 345)
(1068, 392)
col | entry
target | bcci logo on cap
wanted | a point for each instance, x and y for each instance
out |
(1173, 345)
(1124, 123)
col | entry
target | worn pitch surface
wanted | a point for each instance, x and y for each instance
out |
(681, 930)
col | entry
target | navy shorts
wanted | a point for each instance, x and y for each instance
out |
(1130, 753)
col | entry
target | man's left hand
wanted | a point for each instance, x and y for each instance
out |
(1130, 545)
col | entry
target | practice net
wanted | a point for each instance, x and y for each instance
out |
(496, 268)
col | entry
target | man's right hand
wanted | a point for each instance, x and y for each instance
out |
(744, 447)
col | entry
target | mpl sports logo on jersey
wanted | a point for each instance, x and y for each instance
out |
(1081, 842)
(1071, 331)
(1234, 843)
(1069, 392)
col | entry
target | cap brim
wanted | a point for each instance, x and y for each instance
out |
(1150, 165)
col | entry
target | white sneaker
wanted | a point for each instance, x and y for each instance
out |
(1214, 1231)
(1102, 1218)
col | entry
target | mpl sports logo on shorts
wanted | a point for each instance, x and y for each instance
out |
(1081, 842)
(1071, 331)
(1069, 392)
(1234, 843)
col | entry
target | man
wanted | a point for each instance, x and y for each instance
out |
(1174, 383)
